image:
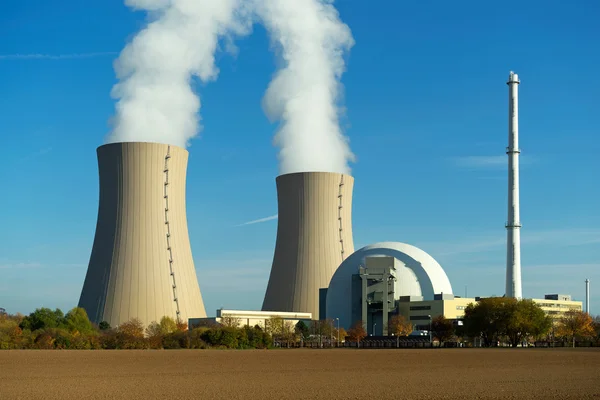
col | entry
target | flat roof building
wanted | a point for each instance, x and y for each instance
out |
(249, 318)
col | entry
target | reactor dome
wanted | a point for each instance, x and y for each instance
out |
(417, 273)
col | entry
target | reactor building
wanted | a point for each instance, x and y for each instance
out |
(314, 236)
(141, 264)
(369, 284)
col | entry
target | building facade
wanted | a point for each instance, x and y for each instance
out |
(249, 318)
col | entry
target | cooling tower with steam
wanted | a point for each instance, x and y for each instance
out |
(314, 236)
(141, 264)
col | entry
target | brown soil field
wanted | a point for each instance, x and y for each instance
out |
(300, 373)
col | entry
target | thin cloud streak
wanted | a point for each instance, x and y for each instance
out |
(258, 221)
(41, 56)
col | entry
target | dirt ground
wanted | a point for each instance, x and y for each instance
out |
(306, 374)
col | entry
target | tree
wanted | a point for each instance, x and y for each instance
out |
(230, 322)
(43, 318)
(576, 324)
(104, 326)
(488, 318)
(597, 327)
(182, 326)
(442, 329)
(340, 334)
(77, 321)
(526, 319)
(302, 330)
(357, 332)
(133, 327)
(497, 317)
(167, 325)
(399, 326)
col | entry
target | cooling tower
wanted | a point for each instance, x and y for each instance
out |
(141, 264)
(314, 236)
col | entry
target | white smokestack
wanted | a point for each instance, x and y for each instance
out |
(305, 92)
(587, 296)
(156, 101)
(513, 226)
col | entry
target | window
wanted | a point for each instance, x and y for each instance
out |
(420, 308)
(419, 318)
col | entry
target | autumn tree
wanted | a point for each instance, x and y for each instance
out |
(357, 332)
(399, 326)
(182, 326)
(442, 329)
(340, 334)
(576, 324)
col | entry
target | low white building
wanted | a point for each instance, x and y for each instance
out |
(250, 318)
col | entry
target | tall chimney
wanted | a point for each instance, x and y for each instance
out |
(587, 296)
(513, 226)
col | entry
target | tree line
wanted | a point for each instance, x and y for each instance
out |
(500, 320)
(52, 329)
(494, 321)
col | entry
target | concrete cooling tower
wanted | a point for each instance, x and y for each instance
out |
(141, 264)
(314, 235)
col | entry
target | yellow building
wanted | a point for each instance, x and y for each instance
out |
(419, 312)
(556, 305)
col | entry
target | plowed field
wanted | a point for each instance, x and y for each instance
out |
(306, 374)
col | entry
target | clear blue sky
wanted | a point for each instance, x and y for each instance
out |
(426, 115)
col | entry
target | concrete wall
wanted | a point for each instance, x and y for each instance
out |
(129, 274)
(309, 242)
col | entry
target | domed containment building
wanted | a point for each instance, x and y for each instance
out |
(369, 283)
(314, 236)
(141, 264)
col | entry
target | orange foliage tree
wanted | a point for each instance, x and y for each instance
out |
(357, 332)
(576, 324)
(399, 326)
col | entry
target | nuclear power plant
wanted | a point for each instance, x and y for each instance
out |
(314, 236)
(141, 264)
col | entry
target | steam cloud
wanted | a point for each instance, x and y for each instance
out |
(304, 93)
(156, 100)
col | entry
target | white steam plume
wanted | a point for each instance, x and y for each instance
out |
(156, 100)
(305, 92)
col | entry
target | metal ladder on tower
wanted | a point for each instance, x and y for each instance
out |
(340, 207)
(168, 225)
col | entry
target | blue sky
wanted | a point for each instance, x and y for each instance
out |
(426, 116)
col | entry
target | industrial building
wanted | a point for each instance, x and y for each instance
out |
(250, 318)
(419, 312)
(141, 264)
(314, 235)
